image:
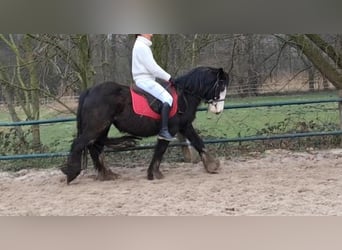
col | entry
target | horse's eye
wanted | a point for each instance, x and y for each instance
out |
(222, 87)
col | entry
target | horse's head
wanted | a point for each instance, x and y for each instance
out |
(219, 91)
(208, 84)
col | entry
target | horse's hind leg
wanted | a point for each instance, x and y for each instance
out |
(88, 137)
(153, 170)
(210, 164)
(97, 155)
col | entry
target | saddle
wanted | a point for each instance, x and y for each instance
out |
(147, 105)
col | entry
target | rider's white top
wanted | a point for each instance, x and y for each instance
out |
(144, 67)
(145, 70)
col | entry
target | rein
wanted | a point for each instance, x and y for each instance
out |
(211, 101)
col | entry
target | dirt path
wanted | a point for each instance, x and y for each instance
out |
(277, 182)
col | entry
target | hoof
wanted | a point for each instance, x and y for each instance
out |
(71, 175)
(64, 170)
(156, 175)
(107, 175)
(211, 165)
(150, 176)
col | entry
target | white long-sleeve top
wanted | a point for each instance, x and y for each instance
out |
(144, 67)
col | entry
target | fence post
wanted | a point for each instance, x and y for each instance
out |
(340, 112)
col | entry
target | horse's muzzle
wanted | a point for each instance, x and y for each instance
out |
(216, 107)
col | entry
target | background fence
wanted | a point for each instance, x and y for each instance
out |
(206, 141)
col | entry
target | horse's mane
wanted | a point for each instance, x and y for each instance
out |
(198, 80)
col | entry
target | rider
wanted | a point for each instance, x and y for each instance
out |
(145, 70)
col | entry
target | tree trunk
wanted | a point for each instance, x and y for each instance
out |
(84, 53)
(194, 51)
(27, 89)
(34, 93)
(326, 48)
(323, 59)
(161, 50)
(252, 74)
(311, 73)
(325, 83)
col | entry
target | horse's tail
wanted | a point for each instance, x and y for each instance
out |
(81, 100)
(75, 161)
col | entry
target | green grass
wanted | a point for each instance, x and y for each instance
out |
(243, 122)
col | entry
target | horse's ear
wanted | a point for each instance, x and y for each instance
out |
(223, 74)
(220, 71)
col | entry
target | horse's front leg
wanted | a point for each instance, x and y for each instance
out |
(210, 163)
(153, 170)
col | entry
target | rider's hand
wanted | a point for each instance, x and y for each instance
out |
(172, 81)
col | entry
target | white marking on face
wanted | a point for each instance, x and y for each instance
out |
(217, 107)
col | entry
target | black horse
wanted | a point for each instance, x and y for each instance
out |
(110, 103)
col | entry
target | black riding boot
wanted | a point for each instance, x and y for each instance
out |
(164, 131)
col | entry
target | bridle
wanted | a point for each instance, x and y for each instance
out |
(212, 89)
(211, 101)
(215, 87)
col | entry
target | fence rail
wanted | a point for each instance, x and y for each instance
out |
(212, 141)
(36, 122)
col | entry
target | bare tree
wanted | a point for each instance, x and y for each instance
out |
(25, 84)
(326, 58)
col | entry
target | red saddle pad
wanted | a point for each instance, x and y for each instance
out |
(141, 106)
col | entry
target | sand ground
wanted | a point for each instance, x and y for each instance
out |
(276, 182)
